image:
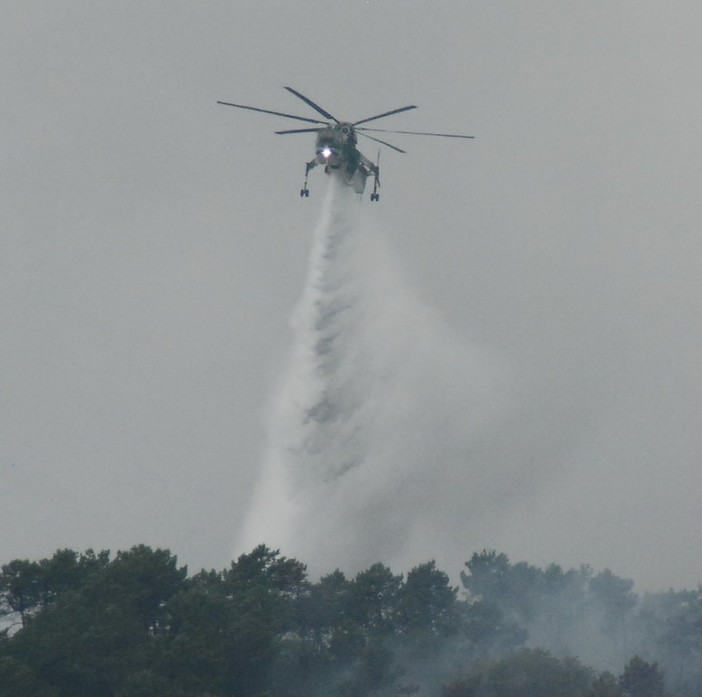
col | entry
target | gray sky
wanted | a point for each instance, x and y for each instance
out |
(154, 245)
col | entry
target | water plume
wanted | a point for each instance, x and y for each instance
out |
(376, 430)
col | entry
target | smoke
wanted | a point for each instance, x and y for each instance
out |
(384, 428)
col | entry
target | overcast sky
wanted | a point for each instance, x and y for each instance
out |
(154, 245)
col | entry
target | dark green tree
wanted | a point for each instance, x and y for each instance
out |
(143, 580)
(533, 673)
(517, 589)
(426, 603)
(225, 630)
(373, 600)
(68, 570)
(613, 596)
(26, 586)
(642, 679)
(83, 645)
(487, 630)
(328, 622)
(205, 648)
(487, 575)
(99, 619)
(20, 589)
(612, 600)
(18, 680)
(147, 683)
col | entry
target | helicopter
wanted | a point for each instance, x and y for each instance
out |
(336, 143)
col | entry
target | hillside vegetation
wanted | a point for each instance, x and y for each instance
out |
(136, 624)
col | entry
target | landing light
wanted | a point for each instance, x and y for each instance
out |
(326, 153)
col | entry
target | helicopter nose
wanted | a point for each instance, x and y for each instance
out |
(327, 156)
(325, 153)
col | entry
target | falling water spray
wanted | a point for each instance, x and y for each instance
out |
(374, 431)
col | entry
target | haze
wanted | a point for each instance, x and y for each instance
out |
(154, 248)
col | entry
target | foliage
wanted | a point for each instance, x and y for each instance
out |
(533, 673)
(135, 624)
(642, 679)
(26, 586)
(18, 680)
(426, 603)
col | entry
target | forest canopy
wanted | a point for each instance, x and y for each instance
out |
(137, 624)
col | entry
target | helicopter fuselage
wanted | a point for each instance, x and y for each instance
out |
(336, 145)
(336, 150)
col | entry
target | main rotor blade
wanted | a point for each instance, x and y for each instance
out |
(298, 130)
(275, 113)
(377, 140)
(387, 113)
(316, 107)
(415, 133)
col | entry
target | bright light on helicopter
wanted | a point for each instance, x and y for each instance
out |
(326, 153)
